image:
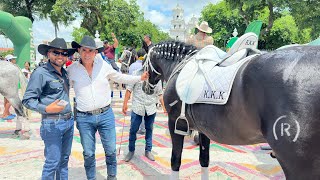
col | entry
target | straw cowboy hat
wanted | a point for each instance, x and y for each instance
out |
(87, 42)
(57, 43)
(204, 27)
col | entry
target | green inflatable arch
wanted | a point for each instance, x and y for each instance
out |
(19, 31)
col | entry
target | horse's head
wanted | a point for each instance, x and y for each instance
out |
(161, 60)
(127, 57)
(152, 67)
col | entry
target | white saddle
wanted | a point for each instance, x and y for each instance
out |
(202, 81)
(238, 51)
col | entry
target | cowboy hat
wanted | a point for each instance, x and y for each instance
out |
(87, 42)
(57, 43)
(204, 27)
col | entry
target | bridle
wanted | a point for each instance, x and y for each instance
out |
(124, 54)
(146, 67)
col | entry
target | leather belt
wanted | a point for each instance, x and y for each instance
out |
(66, 116)
(96, 111)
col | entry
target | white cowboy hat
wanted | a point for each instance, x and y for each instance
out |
(204, 27)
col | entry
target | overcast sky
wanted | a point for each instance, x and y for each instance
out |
(158, 12)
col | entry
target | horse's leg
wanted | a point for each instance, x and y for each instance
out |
(22, 123)
(17, 105)
(204, 157)
(177, 146)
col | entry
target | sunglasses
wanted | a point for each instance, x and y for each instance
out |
(57, 53)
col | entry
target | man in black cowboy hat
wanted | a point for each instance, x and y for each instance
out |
(48, 94)
(90, 77)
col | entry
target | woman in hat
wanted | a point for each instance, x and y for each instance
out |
(201, 39)
(48, 94)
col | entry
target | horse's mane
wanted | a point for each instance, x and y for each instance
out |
(173, 50)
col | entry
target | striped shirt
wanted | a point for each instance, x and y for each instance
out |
(141, 102)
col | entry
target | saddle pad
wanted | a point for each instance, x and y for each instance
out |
(204, 82)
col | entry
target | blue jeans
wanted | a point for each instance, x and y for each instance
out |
(134, 127)
(88, 125)
(57, 135)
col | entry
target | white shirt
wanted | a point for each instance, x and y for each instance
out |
(93, 93)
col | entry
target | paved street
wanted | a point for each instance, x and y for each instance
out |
(23, 159)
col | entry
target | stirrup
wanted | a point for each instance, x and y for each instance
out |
(182, 117)
(181, 132)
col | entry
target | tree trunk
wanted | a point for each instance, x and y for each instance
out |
(271, 19)
(243, 14)
(29, 9)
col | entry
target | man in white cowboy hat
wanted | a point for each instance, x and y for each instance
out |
(48, 94)
(201, 39)
(90, 77)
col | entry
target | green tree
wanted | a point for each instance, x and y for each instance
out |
(222, 20)
(122, 17)
(284, 31)
(249, 10)
(307, 15)
(90, 10)
(78, 33)
(27, 8)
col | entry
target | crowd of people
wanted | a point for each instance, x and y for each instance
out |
(92, 77)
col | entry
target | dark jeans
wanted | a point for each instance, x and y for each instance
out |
(112, 62)
(135, 123)
(88, 125)
(57, 136)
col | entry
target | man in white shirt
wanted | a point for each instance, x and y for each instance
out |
(93, 96)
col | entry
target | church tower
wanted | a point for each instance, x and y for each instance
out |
(178, 29)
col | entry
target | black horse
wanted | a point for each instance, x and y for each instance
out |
(275, 98)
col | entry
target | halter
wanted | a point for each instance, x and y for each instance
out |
(125, 52)
(146, 66)
(148, 63)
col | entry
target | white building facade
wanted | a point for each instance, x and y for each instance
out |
(180, 30)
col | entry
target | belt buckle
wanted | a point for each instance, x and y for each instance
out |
(96, 111)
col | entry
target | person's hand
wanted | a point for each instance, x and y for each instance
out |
(54, 107)
(145, 76)
(124, 108)
(164, 110)
(113, 36)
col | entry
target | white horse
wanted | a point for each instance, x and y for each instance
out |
(10, 76)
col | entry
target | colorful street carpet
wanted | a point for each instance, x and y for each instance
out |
(23, 159)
